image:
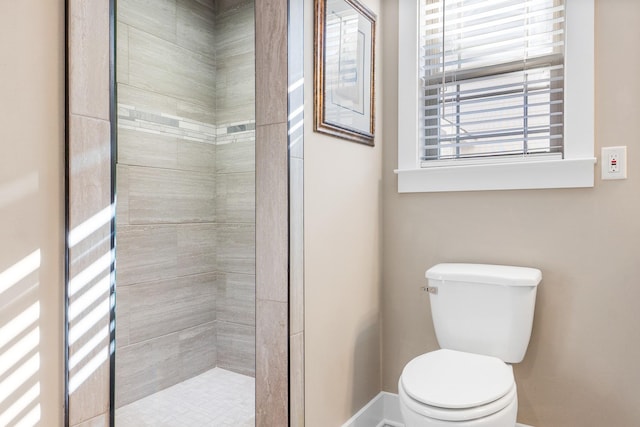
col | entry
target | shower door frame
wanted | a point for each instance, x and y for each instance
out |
(90, 123)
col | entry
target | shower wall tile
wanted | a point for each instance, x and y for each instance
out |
(140, 368)
(229, 6)
(99, 421)
(236, 248)
(198, 350)
(170, 196)
(146, 100)
(235, 197)
(89, 396)
(236, 156)
(124, 305)
(150, 101)
(88, 173)
(211, 4)
(236, 347)
(146, 253)
(273, 225)
(89, 59)
(137, 148)
(195, 111)
(155, 309)
(163, 67)
(150, 366)
(196, 156)
(272, 357)
(122, 46)
(194, 29)
(236, 298)
(229, 40)
(196, 249)
(146, 149)
(271, 60)
(157, 17)
(235, 88)
(122, 194)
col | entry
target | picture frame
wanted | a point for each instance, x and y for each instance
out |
(344, 70)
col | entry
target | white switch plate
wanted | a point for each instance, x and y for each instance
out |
(614, 162)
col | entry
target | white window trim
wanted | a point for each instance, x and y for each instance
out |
(575, 170)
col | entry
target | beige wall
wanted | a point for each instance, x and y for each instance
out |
(342, 260)
(581, 366)
(32, 197)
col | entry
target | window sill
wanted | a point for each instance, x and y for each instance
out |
(562, 173)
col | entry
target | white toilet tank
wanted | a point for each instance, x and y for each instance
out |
(484, 309)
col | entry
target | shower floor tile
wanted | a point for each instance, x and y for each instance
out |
(216, 398)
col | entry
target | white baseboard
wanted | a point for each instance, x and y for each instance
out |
(384, 409)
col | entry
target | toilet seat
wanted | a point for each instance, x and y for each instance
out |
(452, 385)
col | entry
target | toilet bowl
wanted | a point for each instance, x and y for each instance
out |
(448, 388)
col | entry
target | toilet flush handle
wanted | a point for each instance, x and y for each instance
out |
(430, 289)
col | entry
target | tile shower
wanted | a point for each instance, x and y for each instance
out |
(185, 193)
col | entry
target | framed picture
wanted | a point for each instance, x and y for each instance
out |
(344, 70)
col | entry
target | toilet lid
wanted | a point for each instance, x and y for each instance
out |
(456, 380)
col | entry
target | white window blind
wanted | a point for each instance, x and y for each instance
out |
(492, 76)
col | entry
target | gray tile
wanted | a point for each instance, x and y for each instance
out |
(170, 196)
(137, 148)
(272, 364)
(196, 249)
(198, 350)
(197, 112)
(235, 88)
(89, 168)
(146, 253)
(231, 113)
(145, 368)
(236, 347)
(163, 67)
(236, 248)
(235, 29)
(122, 53)
(272, 213)
(271, 62)
(122, 194)
(157, 17)
(123, 318)
(91, 397)
(238, 156)
(89, 59)
(146, 100)
(211, 4)
(235, 197)
(223, 7)
(196, 156)
(101, 420)
(236, 298)
(166, 306)
(195, 27)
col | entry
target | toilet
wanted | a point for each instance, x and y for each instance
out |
(482, 315)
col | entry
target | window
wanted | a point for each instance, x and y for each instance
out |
(495, 94)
